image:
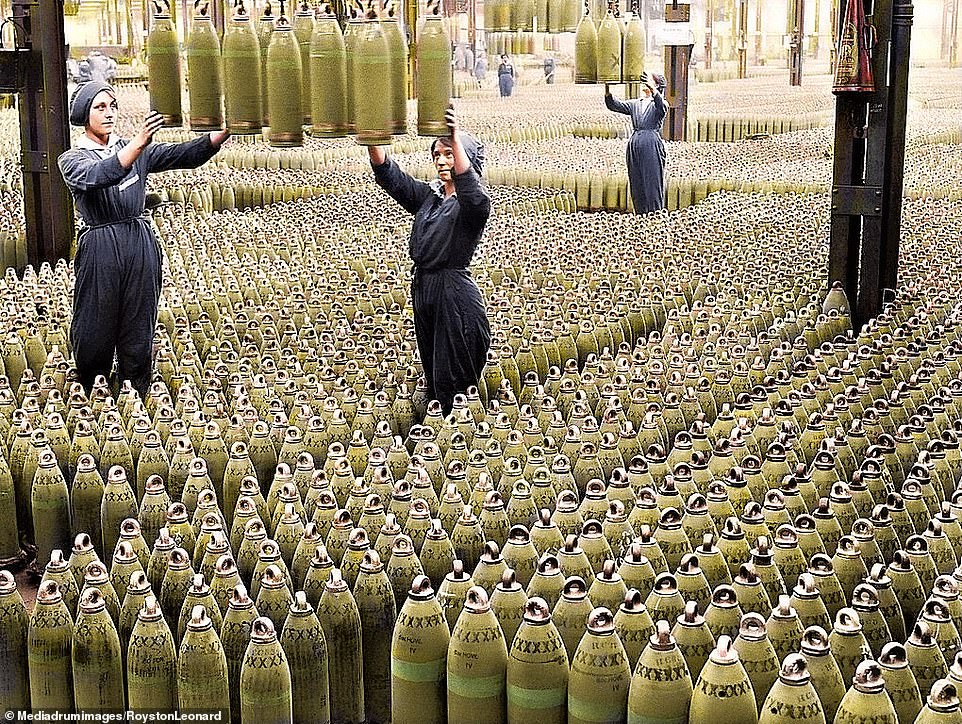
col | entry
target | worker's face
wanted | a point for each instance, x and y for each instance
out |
(443, 158)
(103, 113)
(646, 91)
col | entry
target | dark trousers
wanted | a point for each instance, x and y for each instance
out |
(116, 293)
(452, 332)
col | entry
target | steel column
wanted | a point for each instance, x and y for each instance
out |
(44, 131)
(742, 38)
(677, 58)
(795, 53)
(869, 167)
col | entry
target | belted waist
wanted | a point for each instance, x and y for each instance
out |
(419, 271)
(125, 220)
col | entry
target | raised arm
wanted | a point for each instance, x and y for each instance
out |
(191, 154)
(402, 187)
(613, 104)
(83, 172)
(474, 201)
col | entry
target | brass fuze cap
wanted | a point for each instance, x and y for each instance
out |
(476, 600)
(944, 697)
(724, 653)
(794, 671)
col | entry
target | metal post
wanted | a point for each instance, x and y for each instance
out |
(709, 13)
(816, 29)
(893, 175)
(473, 30)
(677, 58)
(836, 24)
(796, 48)
(954, 43)
(869, 165)
(411, 28)
(44, 132)
(742, 38)
(759, 45)
(118, 33)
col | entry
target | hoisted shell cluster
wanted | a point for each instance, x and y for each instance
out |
(540, 16)
(609, 50)
(284, 76)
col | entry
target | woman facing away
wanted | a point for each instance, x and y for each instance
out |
(646, 154)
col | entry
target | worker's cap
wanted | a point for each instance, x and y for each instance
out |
(83, 98)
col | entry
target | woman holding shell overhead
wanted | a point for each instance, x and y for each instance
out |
(646, 154)
(450, 214)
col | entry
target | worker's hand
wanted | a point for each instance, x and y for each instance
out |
(152, 123)
(451, 120)
(607, 90)
(217, 138)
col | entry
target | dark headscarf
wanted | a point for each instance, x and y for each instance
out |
(473, 148)
(83, 98)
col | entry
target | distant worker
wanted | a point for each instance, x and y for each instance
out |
(102, 68)
(646, 154)
(549, 67)
(505, 76)
(480, 69)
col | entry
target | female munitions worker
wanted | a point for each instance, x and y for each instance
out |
(449, 217)
(118, 262)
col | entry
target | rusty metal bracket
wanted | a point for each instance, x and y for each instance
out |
(677, 13)
(35, 162)
(857, 200)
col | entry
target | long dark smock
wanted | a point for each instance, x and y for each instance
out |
(449, 318)
(118, 262)
(646, 153)
(505, 79)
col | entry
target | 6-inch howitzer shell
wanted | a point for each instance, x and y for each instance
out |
(371, 85)
(235, 635)
(329, 83)
(434, 76)
(398, 60)
(723, 689)
(50, 503)
(265, 28)
(537, 669)
(96, 663)
(202, 668)
(163, 70)
(14, 632)
(600, 678)
(338, 614)
(476, 663)
(242, 89)
(419, 651)
(303, 31)
(151, 662)
(265, 682)
(284, 106)
(375, 603)
(586, 51)
(609, 50)
(205, 87)
(633, 50)
(306, 650)
(48, 651)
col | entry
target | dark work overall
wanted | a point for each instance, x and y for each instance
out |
(118, 262)
(449, 317)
